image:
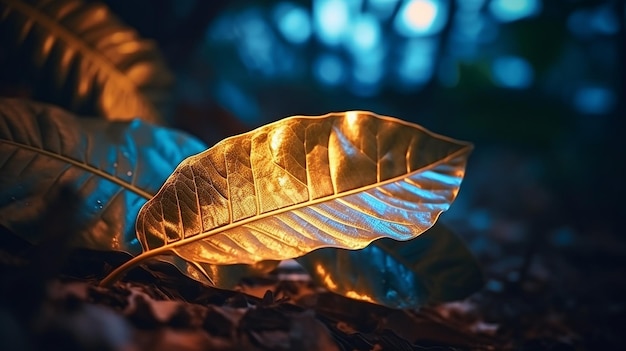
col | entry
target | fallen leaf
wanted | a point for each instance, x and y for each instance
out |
(299, 184)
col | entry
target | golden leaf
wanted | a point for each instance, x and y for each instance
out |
(78, 55)
(299, 184)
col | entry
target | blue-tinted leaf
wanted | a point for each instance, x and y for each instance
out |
(115, 167)
(436, 266)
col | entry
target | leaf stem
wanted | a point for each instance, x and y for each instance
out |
(120, 271)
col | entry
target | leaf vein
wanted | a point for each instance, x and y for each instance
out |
(82, 166)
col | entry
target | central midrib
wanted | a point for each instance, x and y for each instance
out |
(85, 167)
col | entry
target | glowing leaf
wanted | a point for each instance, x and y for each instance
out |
(303, 183)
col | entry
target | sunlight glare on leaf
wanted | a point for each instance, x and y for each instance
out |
(355, 295)
(513, 10)
(421, 17)
(352, 117)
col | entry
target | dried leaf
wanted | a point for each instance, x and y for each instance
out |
(285, 189)
(79, 55)
(436, 266)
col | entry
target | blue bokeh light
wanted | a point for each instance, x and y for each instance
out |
(329, 69)
(473, 27)
(293, 22)
(417, 62)
(257, 44)
(421, 17)
(594, 100)
(588, 22)
(364, 33)
(368, 70)
(513, 10)
(367, 76)
(512, 72)
(332, 20)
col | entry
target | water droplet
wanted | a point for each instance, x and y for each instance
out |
(129, 173)
(115, 165)
(98, 202)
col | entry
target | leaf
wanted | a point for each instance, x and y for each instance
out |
(78, 55)
(285, 189)
(434, 267)
(114, 166)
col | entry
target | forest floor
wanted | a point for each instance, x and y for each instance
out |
(549, 286)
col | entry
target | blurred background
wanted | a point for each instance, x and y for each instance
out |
(537, 85)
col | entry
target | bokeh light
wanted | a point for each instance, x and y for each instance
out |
(293, 22)
(332, 20)
(363, 50)
(417, 62)
(421, 17)
(594, 100)
(329, 70)
(512, 72)
(512, 10)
